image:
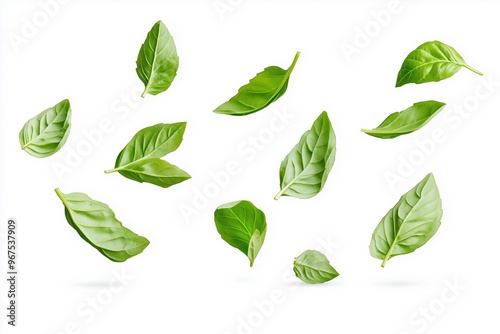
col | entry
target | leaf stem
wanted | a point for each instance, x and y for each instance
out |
(278, 195)
(297, 55)
(144, 92)
(473, 70)
(383, 262)
(59, 194)
(109, 171)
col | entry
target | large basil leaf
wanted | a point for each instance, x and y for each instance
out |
(313, 267)
(157, 62)
(410, 223)
(243, 226)
(140, 158)
(265, 88)
(96, 223)
(47, 132)
(406, 121)
(431, 61)
(305, 169)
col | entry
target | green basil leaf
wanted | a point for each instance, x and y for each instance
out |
(431, 61)
(47, 132)
(265, 88)
(304, 170)
(313, 267)
(243, 226)
(406, 121)
(140, 158)
(96, 223)
(410, 223)
(157, 62)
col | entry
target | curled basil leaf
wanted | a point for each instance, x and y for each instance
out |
(47, 132)
(96, 223)
(406, 121)
(265, 88)
(242, 225)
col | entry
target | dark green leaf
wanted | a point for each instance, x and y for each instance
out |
(265, 88)
(406, 121)
(47, 132)
(96, 223)
(243, 226)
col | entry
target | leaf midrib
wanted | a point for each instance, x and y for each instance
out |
(282, 191)
(150, 79)
(396, 236)
(32, 140)
(428, 63)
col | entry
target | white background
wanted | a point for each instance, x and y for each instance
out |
(189, 280)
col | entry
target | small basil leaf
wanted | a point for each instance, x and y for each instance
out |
(304, 170)
(243, 226)
(96, 223)
(406, 121)
(154, 171)
(410, 223)
(313, 267)
(265, 88)
(140, 158)
(47, 132)
(431, 61)
(157, 62)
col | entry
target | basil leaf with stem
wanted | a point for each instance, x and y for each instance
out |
(406, 121)
(45, 134)
(242, 225)
(431, 61)
(414, 219)
(304, 170)
(313, 267)
(262, 90)
(157, 62)
(96, 223)
(140, 158)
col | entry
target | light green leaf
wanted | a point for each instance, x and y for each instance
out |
(47, 132)
(157, 62)
(243, 226)
(431, 61)
(265, 88)
(304, 170)
(140, 158)
(313, 267)
(96, 223)
(410, 223)
(406, 121)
